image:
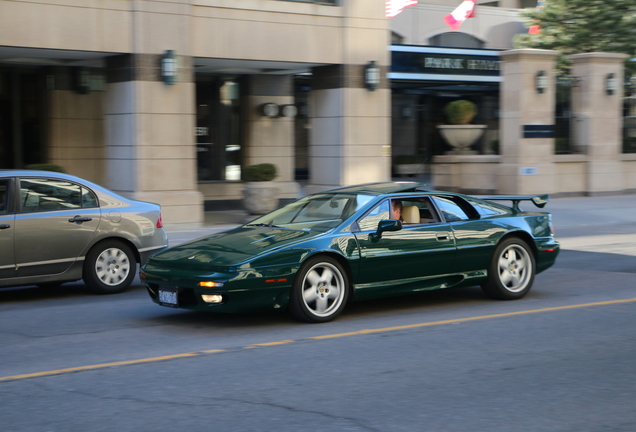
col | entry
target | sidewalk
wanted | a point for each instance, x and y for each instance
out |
(599, 224)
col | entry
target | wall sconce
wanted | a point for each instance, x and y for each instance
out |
(288, 110)
(371, 76)
(169, 68)
(541, 81)
(610, 84)
(270, 110)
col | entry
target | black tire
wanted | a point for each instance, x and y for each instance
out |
(511, 271)
(320, 290)
(110, 267)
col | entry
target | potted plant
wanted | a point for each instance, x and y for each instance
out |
(260, 195)
(459, 133)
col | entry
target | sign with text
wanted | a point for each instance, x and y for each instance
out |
(445, 63)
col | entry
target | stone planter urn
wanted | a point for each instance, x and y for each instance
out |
(260, 197)
(260, 193)
(461, 137)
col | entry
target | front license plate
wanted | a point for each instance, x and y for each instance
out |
(168, 298)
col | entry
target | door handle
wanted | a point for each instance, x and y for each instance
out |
(80, 219)
(5, 226)
(442, 237)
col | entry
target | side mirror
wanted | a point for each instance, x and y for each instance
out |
(387, 225)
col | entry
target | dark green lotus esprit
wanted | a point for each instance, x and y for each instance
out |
(322, 251)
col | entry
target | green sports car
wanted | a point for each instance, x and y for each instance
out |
(316, 254)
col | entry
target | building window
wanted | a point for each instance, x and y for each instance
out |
(456, 40)
(324, 2)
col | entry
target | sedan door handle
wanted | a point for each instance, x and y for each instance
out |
(80, 219)
(5, 226)
(442, 237)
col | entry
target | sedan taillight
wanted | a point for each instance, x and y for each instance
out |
(159, 222)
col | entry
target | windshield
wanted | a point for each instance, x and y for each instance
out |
(316, 212)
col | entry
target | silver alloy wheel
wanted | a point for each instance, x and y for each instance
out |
(112, 266)
(323, 289)
(515, 268)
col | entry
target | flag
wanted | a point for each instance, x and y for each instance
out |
(394, 7)
(460, 14)
(536, 28)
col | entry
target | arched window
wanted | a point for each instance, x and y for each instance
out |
(456, 40)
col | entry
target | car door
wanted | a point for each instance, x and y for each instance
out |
(7, 258)
(54, 225)
(476, 238)
(407, 259)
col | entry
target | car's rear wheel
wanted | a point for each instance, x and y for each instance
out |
(320, 290)
(511, 272)
(109, 267)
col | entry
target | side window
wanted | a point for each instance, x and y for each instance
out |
(89, 199)
(40, 195)
(418, 211)
(370, 220)
(4, 196)
(489, 209)
(453, 209)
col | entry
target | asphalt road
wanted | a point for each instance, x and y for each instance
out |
(561, 359)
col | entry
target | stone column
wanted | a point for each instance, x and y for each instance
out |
(351, 125)
(599, 118)
(271, 139)
(149, 136)
(527, 117)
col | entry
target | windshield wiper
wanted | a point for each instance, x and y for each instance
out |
(263, 225)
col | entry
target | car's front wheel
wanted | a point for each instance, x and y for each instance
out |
(320, 290)
(511, 272)
(109, 267)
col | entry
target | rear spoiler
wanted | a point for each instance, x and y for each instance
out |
(538, 200)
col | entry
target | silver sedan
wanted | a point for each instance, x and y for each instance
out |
(57, 228)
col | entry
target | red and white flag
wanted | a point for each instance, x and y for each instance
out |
(394, 7)
(460, 14)
(536, 28)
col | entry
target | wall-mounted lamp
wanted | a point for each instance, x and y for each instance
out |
(288, 110)
(610, 84)
(541, 81)
(371, 76)
(169, 67)
(270, 110)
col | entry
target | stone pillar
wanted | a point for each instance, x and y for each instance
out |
(527, 116)
(271, 139)
(599, 118)
(351, 125)
(149, 136)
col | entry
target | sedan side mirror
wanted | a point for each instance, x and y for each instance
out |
(387, 225)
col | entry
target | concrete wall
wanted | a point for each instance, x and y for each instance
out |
(528, 165)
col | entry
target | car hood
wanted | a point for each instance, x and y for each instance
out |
(229, 248)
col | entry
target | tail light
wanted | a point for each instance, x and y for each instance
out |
(159, 222)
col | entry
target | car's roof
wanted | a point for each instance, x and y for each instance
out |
(383, 188)
(27, 172)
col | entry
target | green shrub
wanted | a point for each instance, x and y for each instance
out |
(46, 167)
(259, 173)
(460, 112)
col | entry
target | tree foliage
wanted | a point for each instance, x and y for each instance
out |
(582, 26)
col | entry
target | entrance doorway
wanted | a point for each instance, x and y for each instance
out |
(218, 129)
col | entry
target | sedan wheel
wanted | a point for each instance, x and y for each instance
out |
(511, 272)
(110, 267)
(320, 290)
